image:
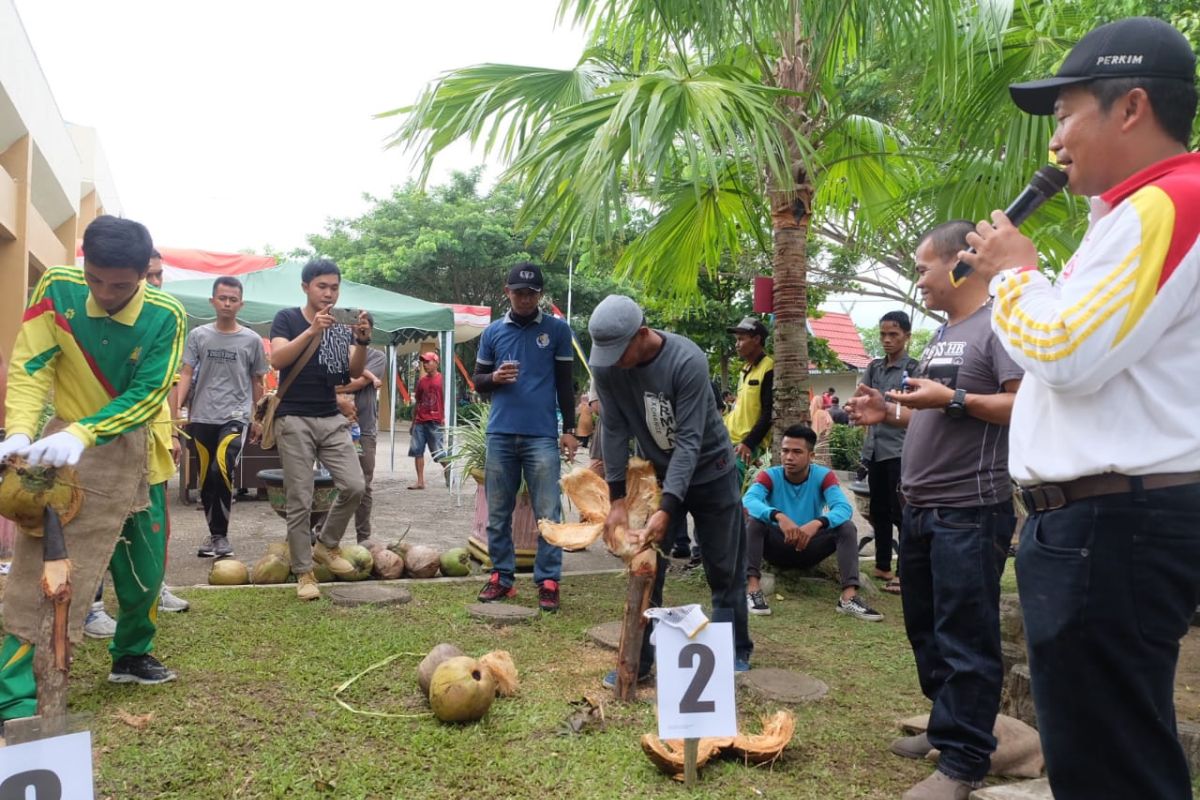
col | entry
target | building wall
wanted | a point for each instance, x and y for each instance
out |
(53, 176)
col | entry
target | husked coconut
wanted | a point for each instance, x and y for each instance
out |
(432, 661)
(504, 671)
(422, 561)
(26, 491)
(228, 572)
(668, 755)
(270, 569)
(462, 690)
(387, 565)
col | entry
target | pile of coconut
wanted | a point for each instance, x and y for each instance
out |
(373, 559)
(461, 688)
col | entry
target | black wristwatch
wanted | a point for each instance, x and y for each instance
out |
(958, 405)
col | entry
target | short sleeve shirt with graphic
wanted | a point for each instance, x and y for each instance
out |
(224, 366)
(312, 394)
(960, 462)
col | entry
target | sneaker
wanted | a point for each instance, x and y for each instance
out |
(914, 747)
(171, 603)
(609, 681)
(741, 665)
(757, 604)
(940, 786)
(307, 588)
(855, 607)
(493, 590)
(206, 548)
(548, 596)
(332, 557)
(221, 546)
(146, 670)
(98, 624)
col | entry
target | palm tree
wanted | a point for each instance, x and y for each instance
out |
(731, 122)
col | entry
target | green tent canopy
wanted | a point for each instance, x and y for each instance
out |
(399, 319)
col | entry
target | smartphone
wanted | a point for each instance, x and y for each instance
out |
(345, 316)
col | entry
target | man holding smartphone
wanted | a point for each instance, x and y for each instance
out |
(308, 426)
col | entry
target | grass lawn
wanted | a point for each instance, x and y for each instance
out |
(253, 716)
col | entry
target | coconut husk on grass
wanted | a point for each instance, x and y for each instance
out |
(758, 748)
(504, 671)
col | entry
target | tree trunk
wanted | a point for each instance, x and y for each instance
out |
(791, 209)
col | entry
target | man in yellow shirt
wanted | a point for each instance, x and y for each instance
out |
(108, 347)
(749, 423)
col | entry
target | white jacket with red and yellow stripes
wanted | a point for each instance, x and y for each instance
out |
(1112, 350)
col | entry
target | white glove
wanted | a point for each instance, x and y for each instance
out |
(57, 450)
(17, 444)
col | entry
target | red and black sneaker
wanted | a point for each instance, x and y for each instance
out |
(548, 595)
(494, 591)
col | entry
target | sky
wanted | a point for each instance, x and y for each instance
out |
(236, 125)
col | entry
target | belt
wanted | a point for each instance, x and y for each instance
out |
(1052, 496)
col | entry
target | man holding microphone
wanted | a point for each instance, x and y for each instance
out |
(1109, 563)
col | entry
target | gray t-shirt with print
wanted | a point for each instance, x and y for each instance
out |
(959, 463)
(366, 399)
(222, 368)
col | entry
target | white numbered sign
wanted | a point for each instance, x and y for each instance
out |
(695, 682)
(58, 768)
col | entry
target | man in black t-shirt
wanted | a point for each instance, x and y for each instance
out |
(308, 426)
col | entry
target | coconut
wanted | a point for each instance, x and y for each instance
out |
(422, 561)
(462, 690)
(322, 573)
(431, 662)
(570, 536)
(25, 492)
(228, 572)
(765, 747)
(668, 755)
(504, 671)
(456, 563)
(279, 549)
(270, 569)
(400, 548)
(387, 565)
(361, 558)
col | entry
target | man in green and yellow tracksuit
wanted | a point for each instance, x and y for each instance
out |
(104, 348)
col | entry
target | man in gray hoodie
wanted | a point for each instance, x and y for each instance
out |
(654, 388)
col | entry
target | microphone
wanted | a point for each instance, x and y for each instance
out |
(1045, 183)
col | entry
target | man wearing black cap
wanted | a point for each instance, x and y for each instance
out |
(749, 422)
(653, 388)
(524, 362)
(1109, 563)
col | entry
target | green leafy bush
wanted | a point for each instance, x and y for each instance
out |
(845, 446)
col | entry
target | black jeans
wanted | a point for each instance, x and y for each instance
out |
(716, 509)
(952, 559)
(1108, 588)
(766, 540)
(218, 448)
(883, 477)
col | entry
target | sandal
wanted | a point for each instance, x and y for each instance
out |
(892, 586)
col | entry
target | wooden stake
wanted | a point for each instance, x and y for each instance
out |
(642, 570)
(691, 751)
(52, 651)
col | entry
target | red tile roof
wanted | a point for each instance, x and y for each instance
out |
(838, 329)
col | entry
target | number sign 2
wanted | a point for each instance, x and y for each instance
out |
(695, 682)
(58, 768)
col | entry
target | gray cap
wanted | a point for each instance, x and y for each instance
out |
(612, 326)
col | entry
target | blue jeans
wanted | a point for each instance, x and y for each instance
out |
(952, 559)
(1108, 587)
(508, 457)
